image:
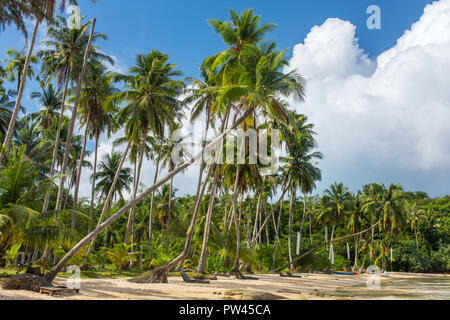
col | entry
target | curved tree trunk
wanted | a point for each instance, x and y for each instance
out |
(15, 114)
(73, 119)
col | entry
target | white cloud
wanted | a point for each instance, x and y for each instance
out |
(383, 120)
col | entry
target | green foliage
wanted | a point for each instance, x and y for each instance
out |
(12, 254)
(120, 255)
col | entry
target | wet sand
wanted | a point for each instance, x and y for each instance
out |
(269, 286)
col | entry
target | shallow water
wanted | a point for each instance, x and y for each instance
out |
(436, 288)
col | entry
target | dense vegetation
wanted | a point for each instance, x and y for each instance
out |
(239, 218)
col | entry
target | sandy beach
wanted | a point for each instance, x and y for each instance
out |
(268, 287)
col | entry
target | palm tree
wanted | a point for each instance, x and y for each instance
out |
(62, 60)
(355, 222)
(112, 178)
(47, 8)
(16, 65)
(166, 205)
(338, 200)
(106, 172)
(95, 94)
(323, 215)
(50, 103)
(15, 11)
(6, 107)
(300, 167)
(151, 102)
(95, 101)
(260, 81)
(414, 214)
(79, 82)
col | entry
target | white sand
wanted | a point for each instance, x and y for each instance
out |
(310, 286)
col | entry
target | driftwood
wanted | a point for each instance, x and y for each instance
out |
(189, 280)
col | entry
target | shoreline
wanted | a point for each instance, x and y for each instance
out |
(311, 286)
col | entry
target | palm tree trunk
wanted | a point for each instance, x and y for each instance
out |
(105, 239)
(160, 274)
(303, 217)
(417, 241)
(150, 219)
(77, 184)
(110, 193)
(310, 227)
(202, 261)
(291, 207)
(277, 234)
(269, 216)
(91, 208)
(72, 120)
(126, 238)
(355, 264)
(168, 216)
(326, 235)
(236, 220)
(57, 140)
(332, 231)
(258, 206)
(15, 114)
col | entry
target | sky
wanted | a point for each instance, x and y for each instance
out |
(379, 98)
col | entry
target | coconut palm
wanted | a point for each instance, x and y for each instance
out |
(338, 198)
(50, 105)
(105, 175)
(62, 59)
(46, 11)
(16, 64)
(150, 103)
(414, 213)
(16, 11)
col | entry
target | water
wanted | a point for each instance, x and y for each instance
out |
(426, 288)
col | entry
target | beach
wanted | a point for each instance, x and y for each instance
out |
(310, 286)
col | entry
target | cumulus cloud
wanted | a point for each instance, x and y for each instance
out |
(385, 120)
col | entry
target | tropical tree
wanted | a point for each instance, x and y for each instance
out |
(46, 11)
(16, 65)
(338, 198)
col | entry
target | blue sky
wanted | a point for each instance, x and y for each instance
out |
(180, 29)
